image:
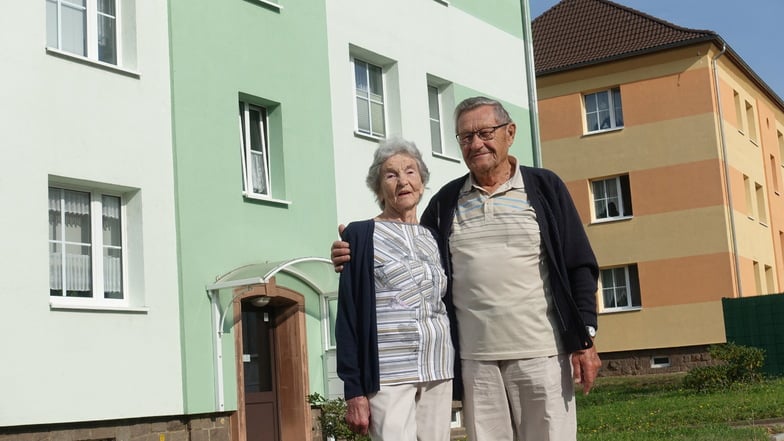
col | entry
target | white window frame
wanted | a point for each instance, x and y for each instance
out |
(90, 30)
(97, 300)
(435, 118)
(369, 100)
(625, 284)
(326, 323)
(246, 127)
(616, 184)
(615, 108)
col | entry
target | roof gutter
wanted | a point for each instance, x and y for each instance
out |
(530, 79)
(726, 174)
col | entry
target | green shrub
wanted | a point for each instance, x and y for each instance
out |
(333, 418)
(741, 364)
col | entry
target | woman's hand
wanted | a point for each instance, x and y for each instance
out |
(358, 414)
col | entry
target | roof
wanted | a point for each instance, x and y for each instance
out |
(576, 33)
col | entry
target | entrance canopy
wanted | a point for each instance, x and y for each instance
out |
(316, 272)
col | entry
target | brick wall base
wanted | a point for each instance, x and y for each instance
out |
(214, 427)
(640, 362)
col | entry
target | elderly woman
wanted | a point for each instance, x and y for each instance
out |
(394, 352)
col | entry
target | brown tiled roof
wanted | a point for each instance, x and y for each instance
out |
(576, 33)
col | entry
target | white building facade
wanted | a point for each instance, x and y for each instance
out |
(90, 320)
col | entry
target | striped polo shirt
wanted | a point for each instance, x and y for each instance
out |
(500, 277)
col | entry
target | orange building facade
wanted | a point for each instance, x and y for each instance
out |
(674, 158)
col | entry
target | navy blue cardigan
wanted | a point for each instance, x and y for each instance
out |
(355, 327)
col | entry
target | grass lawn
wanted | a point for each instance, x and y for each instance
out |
(657, 408)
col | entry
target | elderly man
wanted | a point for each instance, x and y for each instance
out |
(522, 284)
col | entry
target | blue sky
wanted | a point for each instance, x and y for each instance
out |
(750, 27)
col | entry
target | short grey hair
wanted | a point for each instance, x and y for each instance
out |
(388, 148)
(501, 115)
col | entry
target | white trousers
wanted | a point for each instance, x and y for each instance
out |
(531, 398)
(412, 412)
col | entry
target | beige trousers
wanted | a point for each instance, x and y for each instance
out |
(412, 412)
(531, 398)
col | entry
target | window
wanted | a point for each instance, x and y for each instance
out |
(774, 175)
(757, 279)
(738, 111)
(88, 28)
(433, 100)
(751, 122)
(612, 198)
(603, 110)
(86, 253)
(255, 150)
(369, 93)
(762, 213)
(770, 283)
(749, 202)
(456, 421)
(780, 137)
(660, 361)
(620, 288)
(781, 243)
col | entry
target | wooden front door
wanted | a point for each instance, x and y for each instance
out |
(258, 360)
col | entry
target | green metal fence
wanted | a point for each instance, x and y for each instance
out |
(759, 322)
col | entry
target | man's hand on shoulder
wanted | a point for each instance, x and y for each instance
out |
(340, 252)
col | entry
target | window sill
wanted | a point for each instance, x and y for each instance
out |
(443, 2)
(71, 306)
(368, 137)
(91, 62)
(446, 157)
(616, 311)
(599, 132)
(611, 219)
(260, 198)
(764, 224)
(268, 3)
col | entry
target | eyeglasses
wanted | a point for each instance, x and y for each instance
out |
(486, 134)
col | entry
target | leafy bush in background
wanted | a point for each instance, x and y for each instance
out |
(741, 364)
(333, 418)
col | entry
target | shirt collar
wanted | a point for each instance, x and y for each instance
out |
(514, 182)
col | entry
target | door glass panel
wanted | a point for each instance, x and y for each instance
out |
(257, 356)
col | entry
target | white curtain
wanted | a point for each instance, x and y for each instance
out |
(70, 217)
(77, 272)
(112, 275)
(259, 173)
